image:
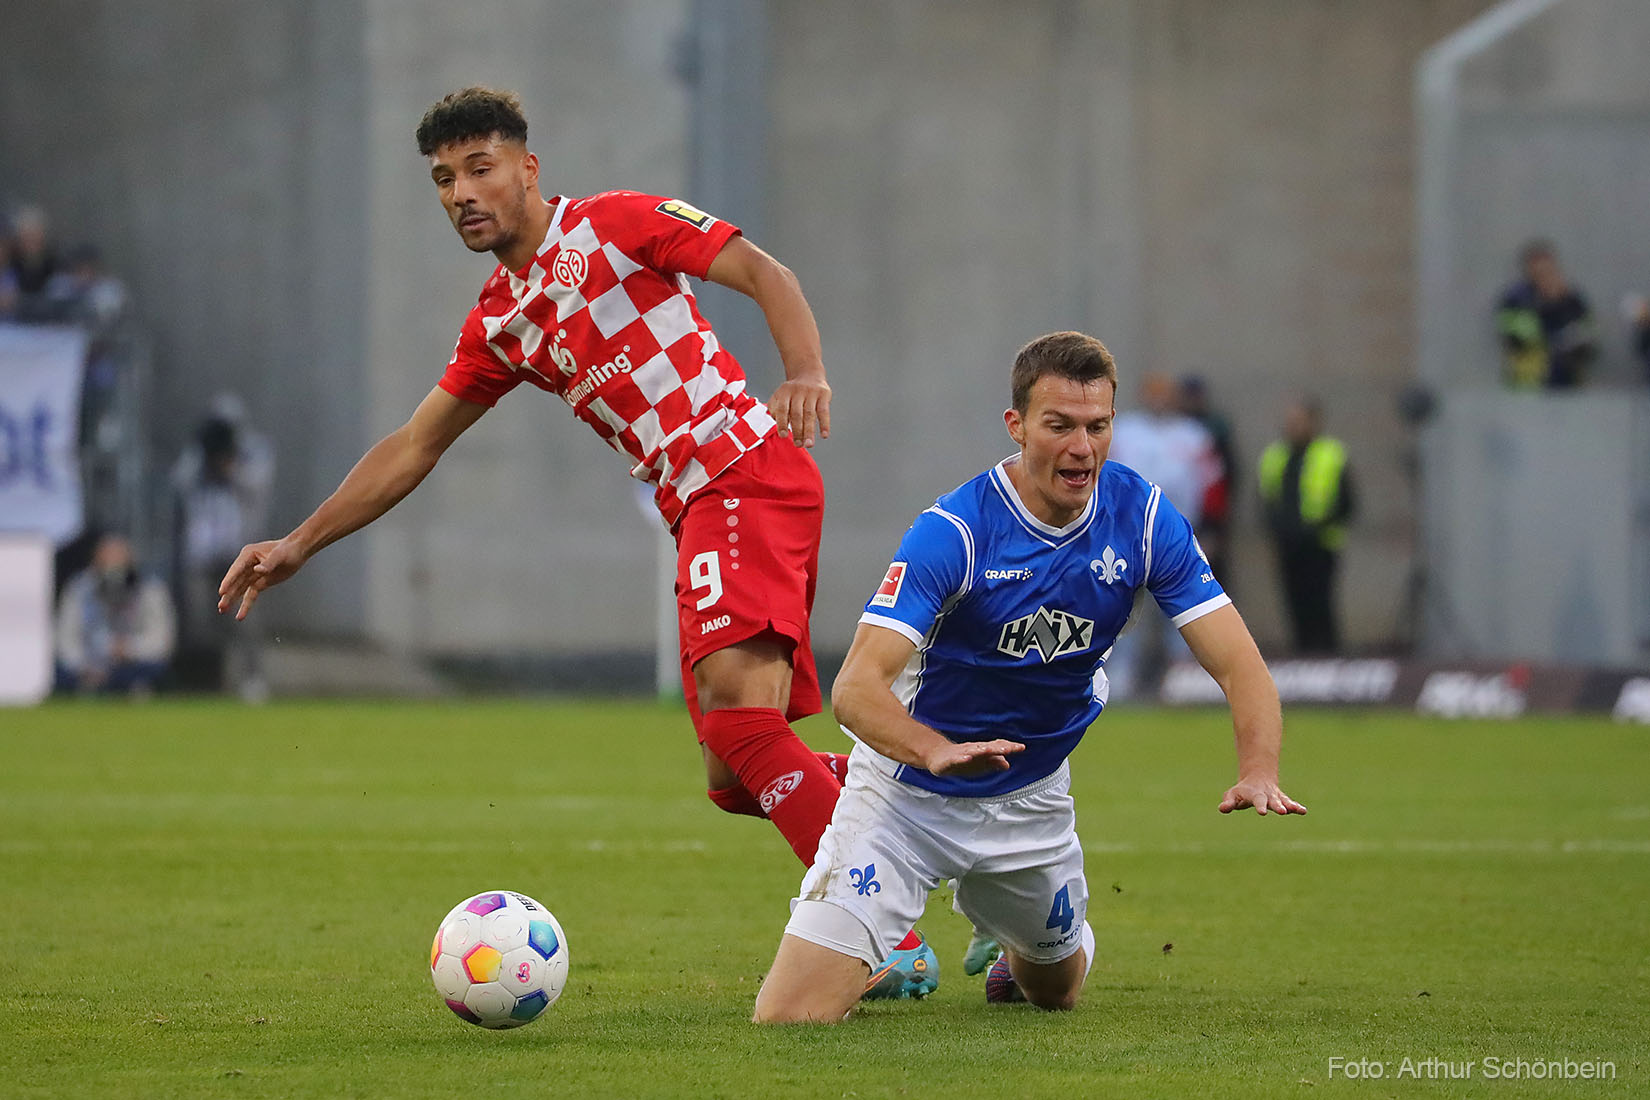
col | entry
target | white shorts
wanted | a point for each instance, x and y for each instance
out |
(1016, 859)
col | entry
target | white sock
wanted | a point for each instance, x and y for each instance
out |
(1088, 950)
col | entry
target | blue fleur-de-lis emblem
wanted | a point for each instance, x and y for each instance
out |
(1108, 566)
(864, 879)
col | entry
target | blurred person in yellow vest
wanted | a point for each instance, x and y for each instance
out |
(1306, 488)
(1546, 328)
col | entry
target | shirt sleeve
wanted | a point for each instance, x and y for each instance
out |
(664, 234)
(930, 569)
(474, 373)
(1178, 572)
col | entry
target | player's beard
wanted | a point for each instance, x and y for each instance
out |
(507, 227)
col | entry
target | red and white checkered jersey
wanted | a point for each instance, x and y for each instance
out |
(604, 317)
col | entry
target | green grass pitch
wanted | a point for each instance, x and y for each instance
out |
(198, 899)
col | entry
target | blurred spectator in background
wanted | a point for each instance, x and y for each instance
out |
(1176, 453)
(83, 293)
(33, 260)
(8, 277)
(1545, 325)
(1636, 307)
(254, 467)
(221, 488)
(1306, 488)
(1214, 533)
(115, 625)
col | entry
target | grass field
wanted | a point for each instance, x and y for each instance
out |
(203, 900)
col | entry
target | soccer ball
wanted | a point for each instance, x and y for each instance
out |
(499, 959)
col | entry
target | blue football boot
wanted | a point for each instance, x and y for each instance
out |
(913, 972)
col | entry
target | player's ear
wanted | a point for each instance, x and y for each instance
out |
(530, 168)
(1016, 426)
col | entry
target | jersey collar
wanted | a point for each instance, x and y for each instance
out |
(552, 232)
(1005, 488)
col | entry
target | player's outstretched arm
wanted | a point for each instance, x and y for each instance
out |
(864, 702)
(1222, 644)
(803, 402)
(386, 473)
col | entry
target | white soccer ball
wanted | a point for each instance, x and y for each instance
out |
(499, 959)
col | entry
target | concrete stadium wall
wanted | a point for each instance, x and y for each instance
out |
(1211, 187)
(215, 153)
(525, 537)
(1536, 122)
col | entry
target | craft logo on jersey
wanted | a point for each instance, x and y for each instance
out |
(570, 267)
(1051, 633)
(682, 212)
(888, 592)
(1108, 566)
(777, 791)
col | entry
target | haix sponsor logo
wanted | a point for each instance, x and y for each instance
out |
(595, 376)
(1051, 633)
(1008, 574)
(714, 624)
(777, 791)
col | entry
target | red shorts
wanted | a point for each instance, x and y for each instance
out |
(747, 558)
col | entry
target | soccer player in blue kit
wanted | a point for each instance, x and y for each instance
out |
(976, 668)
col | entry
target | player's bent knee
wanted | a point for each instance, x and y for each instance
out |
(803, 1003)
(794, 1012)
(1054, 1001)
(809, 983)
(753, 673)
(1053, 987)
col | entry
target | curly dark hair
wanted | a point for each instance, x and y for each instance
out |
(1072, 355)
(472, 113)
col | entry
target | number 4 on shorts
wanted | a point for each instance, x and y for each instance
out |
(1061, 915)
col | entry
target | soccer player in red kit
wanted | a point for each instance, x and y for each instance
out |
(591, 301)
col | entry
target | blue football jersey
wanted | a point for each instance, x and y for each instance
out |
(1013, 619)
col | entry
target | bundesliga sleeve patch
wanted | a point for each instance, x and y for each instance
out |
(682, 212)
(888, 592)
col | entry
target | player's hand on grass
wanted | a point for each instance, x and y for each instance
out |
(801, 406)
(1263, 794)
(256, 568)
(971, 757)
